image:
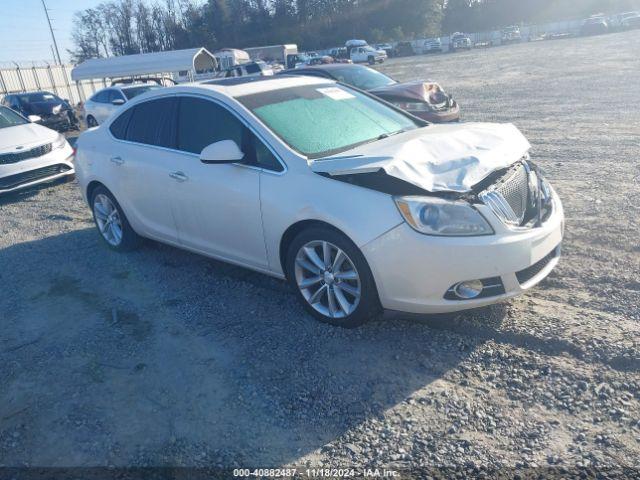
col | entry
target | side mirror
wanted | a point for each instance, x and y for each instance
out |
(224, 151)
(34, 118)
(117, 101)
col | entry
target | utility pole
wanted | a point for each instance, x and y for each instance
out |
(53, 37)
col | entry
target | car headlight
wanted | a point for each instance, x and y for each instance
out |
(59, 142)
(437, 216)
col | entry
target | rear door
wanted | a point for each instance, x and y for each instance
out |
(144, 163)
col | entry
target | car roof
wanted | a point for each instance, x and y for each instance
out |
(135, 85)
(31, 92)
(240, 86)
(328, 67)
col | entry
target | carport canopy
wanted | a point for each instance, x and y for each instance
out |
(196, 60)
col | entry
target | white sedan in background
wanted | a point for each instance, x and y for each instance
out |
(106, 101)
(30, 153)
(360, 205)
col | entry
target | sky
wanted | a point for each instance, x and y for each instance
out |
(24, 33)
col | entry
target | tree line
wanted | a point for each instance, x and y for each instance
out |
(123, 27)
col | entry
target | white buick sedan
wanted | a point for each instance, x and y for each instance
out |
(359, 205)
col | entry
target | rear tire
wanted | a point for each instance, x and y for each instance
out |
(111, 222)
(331, 278)
(372, 61)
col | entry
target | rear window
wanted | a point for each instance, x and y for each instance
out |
(118, 127)
(153, 123)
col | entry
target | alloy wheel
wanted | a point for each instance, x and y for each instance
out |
(327, 279)
(108, 219)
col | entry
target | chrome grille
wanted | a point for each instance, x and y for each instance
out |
(15, 157)
(509, 196)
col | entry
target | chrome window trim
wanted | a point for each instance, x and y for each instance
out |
(183, 152)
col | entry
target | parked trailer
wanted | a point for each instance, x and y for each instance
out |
(230, 57)
(180, 65)
(283, 54)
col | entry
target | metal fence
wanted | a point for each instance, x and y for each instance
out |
(16, 78)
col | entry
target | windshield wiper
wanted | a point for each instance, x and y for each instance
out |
(387, 135)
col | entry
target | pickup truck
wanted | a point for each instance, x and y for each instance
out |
(367, 54)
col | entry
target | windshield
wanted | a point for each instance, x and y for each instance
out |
(361, 77)
(9, 118)
(325, 119)
(39, 97)
(135, 91)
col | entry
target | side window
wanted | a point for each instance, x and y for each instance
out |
(119, 126)
(101, 97)
(264, 157)
(115, 95)
(253, 68)
(153, 123)
(202, 122)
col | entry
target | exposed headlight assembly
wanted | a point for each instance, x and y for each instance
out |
(437, 216)
(59, 142)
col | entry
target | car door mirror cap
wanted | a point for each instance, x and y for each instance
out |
(224, 151)
(34, 118)
(117, 102)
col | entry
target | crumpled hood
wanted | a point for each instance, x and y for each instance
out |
(437, 158)
(424, 91)
(26, 136)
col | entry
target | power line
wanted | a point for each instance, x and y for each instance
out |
(53, 37)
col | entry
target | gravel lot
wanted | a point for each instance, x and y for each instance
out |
(162, 357)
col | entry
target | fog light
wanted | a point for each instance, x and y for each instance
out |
(469, 289)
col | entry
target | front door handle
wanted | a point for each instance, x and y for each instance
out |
(117, 160)
(179, 176)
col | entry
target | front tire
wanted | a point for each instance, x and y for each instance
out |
(331, 278)
(111, 221)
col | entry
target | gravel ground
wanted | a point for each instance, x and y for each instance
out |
(162, 357)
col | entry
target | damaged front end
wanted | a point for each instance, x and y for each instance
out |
(518, 195)
(471, 165)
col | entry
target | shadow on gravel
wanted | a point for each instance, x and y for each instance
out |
(484, 325)
(163, 357)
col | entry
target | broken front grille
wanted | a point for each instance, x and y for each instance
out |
(15, 157)
(509, 197)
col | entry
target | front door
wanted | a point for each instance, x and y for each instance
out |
(216, 207)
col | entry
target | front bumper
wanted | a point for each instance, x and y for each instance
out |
(26, 173)
(450, 115)
(413, 272)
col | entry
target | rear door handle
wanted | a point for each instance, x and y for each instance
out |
(117, 160)
(179, 176)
